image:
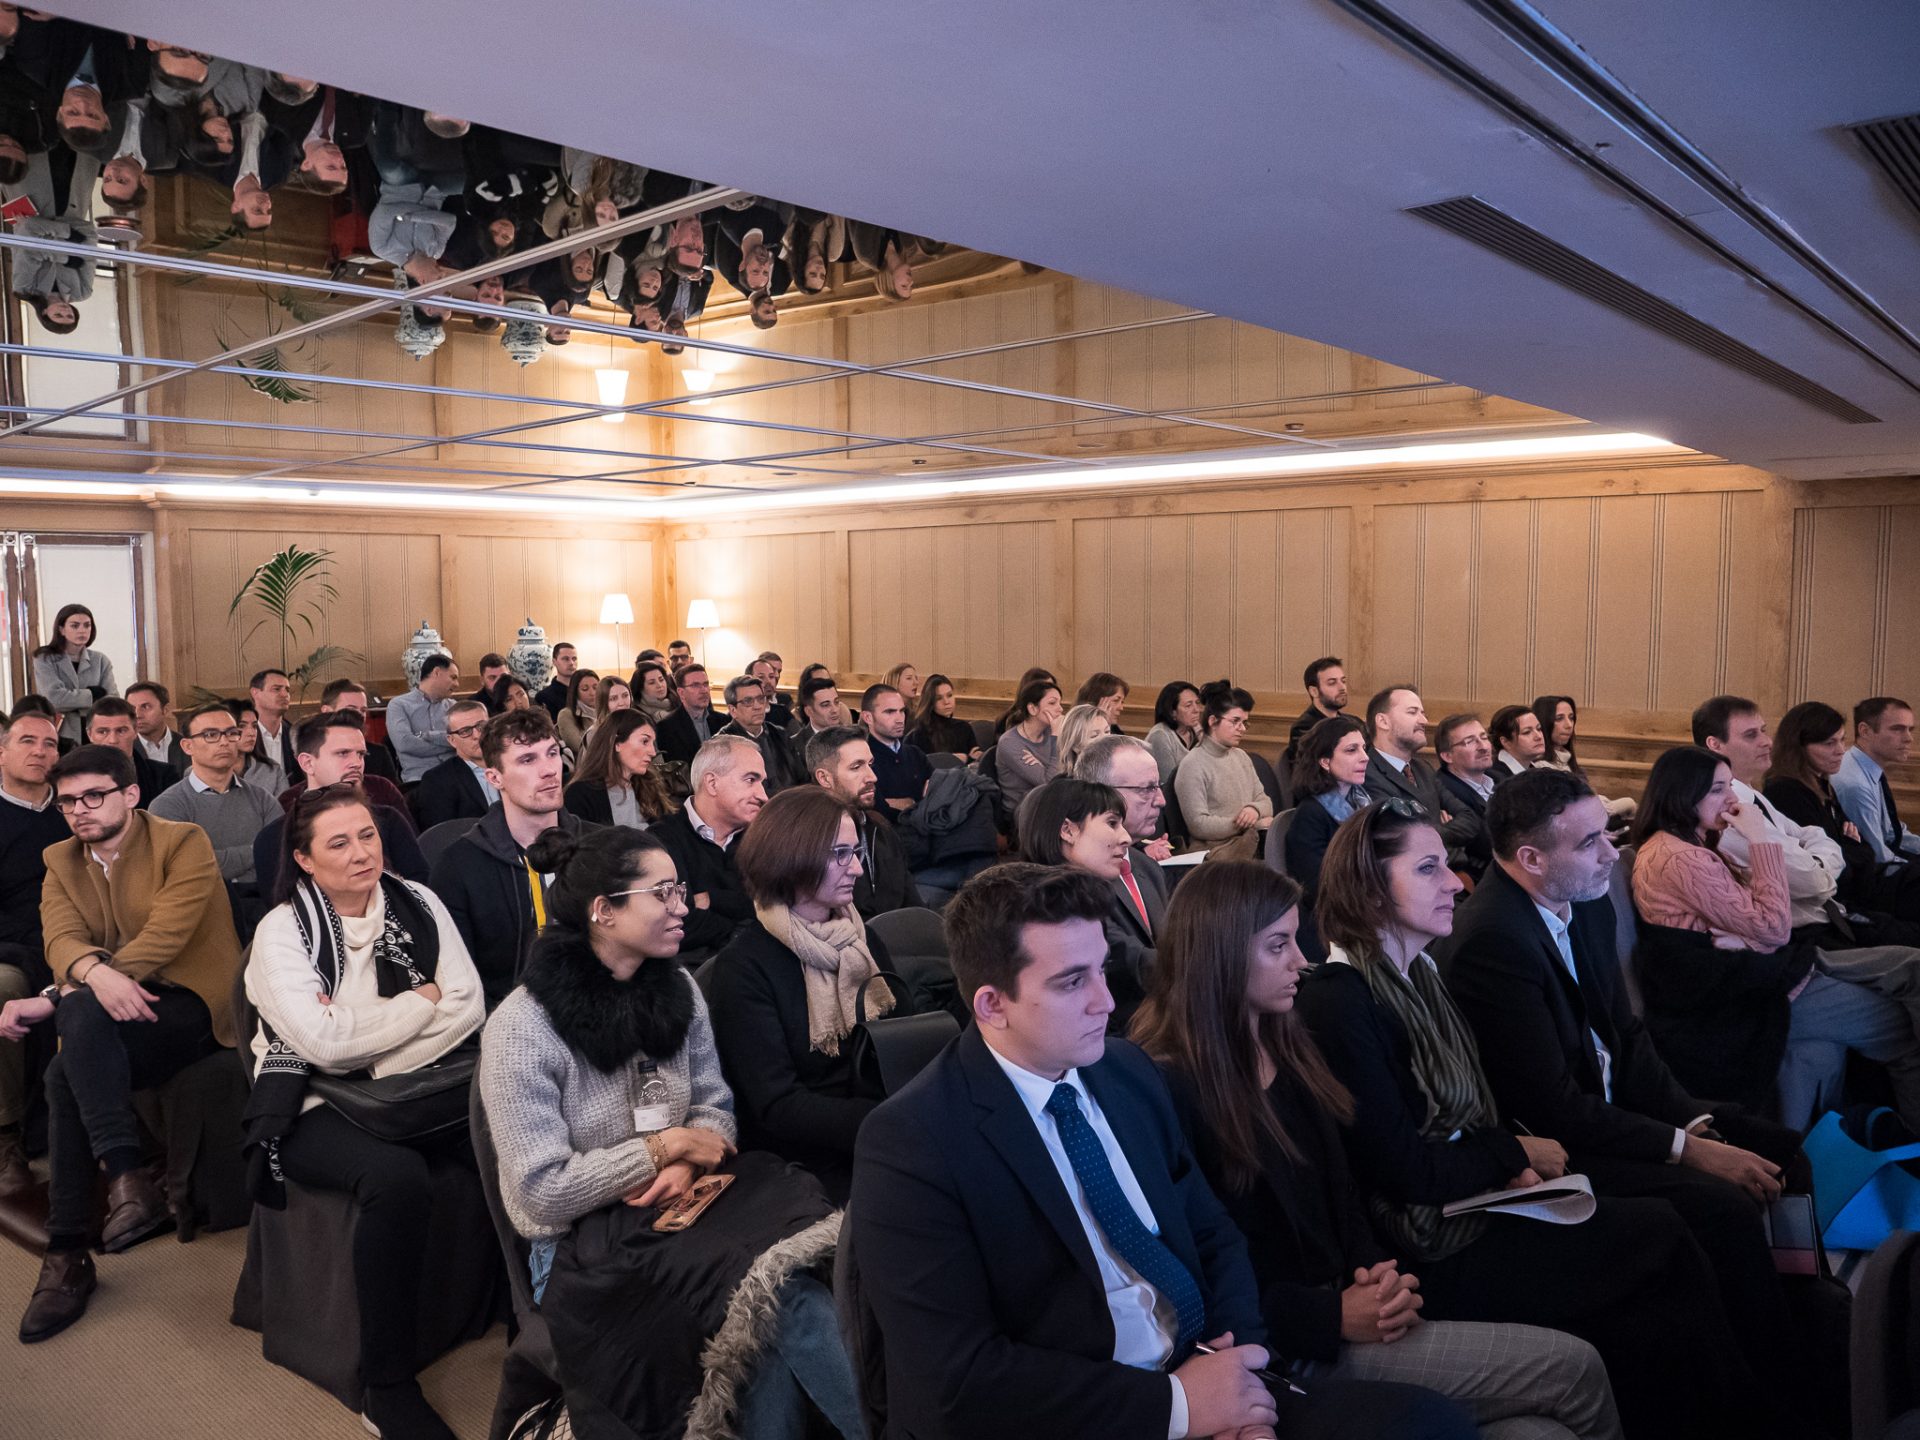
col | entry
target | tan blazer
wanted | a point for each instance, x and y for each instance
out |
(163, 914)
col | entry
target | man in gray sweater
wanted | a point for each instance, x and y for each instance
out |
(211, 796)
(417, 720)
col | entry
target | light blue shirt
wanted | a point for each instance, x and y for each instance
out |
(417, 727)
(486, 785)
(1856, 785)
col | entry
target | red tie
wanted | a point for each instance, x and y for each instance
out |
(1133, 889)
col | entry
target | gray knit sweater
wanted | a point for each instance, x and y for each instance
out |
(563, 1131)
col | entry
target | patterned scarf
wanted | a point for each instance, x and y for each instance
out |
(1446, 1066)
(835, 965)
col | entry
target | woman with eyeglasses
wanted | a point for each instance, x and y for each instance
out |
(1266, 1116)
(605, 1102)
(358, 971)
(1221, 797)
(1329, 784)
(578, 714)
(615, 783)
(786, 990)
(70, 672)
(1425, 1132)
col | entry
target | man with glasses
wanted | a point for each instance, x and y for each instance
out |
(1466, 782)
(682, 733)
(212, 797)
(747, 708)
(143, 951)
(842, 765)
(1127, 765)
(332, 750)
(457, 789)
(729, 789)
(29, 823)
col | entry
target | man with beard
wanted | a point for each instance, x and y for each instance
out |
(491, 888)
(140, 939)
(29, 824)
(841, 763)
(1533, 966)
(1326, 682)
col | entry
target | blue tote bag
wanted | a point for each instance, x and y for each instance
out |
(1861, 1195)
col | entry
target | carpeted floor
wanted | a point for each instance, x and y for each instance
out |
(155, 1359)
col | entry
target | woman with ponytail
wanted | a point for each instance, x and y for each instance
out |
(606, 1104)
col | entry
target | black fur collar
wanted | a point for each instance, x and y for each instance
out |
(606, 1021)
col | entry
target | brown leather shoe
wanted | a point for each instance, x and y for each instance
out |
(15, 1177)
(136, 1211)
(60, 1297)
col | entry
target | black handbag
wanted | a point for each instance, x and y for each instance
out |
(890, 1050)
(415, 1106)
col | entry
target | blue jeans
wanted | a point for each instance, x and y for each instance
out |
(1834, 1015)
(804, 1355)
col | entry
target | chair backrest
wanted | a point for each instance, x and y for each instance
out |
(860, 1332)
(1625, 932)
(516, 1250)
(1886, 1311)
(916, 944)
(983, 735)
(435, 839)
(1269, 781)
(945, 760)
(703, 977)
(1172, 819)
(1277, 840)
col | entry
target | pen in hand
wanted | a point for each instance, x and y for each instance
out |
(1267, 1375)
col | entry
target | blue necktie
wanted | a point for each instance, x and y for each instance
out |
(1138, 1246)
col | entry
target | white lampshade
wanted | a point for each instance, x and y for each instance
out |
(697, 379)
(703, 615)
(613, 391)
(616, 609)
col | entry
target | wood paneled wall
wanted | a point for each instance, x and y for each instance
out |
(1850, 562)
(990, 594)
(773, 592)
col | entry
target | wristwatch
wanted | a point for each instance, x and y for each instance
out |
(51, 994)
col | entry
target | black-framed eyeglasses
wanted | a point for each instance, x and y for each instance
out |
(843, 855)
(85, 800)
(465, 730)
(232, 732)
(1406, 809)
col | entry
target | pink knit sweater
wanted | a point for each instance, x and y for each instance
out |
(1690, 887)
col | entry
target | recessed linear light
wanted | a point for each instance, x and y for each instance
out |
(1224, 467)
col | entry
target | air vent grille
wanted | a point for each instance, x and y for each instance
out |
(1895, 147)
(1475, 220)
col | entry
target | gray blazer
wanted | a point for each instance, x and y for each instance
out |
(69, 685)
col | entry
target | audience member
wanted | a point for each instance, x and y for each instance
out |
(900, 768)
(1397, 731)
(577, 715)
(606, 1102)
(1028, 1147)
(457, 789)
(1079, 728)
(1466, 785)
(1028, 751)
(29, 824)
(1107, 693)
(1326, 684)
(508, 693)
(1426, 1132)
(820, 709)
(703, 837)
(272, 694)
(1176, 727)
(1882, 736)
(747, 706)
(1807, 753)
(1533, 967)
(142, 947)
(332, 750)
(110, 722)
(936, 728)
(152, 721)
(70, 672)
(211, 796)
(346, 694)
(679, 655)
(357, 971)
(1119, 762)
(553, 695)
(1221, 797)
(417, 720)
(1266, 1114)
(1801, 1009)
(692, 724)
(253, 770)
(788, 988)
(1518, 741)
(842, 765)
(1013, 714)
(652, 691)
(904, 678)
(1082, 825)
(768, 666)
(493, 669)
(491, 887)
(614, 783)
(1329, 785)
(1559, 718)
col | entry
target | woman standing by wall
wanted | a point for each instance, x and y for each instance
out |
(70, 672)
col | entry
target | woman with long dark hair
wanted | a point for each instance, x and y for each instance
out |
(508, 693)
(1013, 715)
(1426, 1133)
(935, 726)
(614, 783)
(357, 970)
(1266, 1113)
(606, 1103)
(1329, 784)
(652, 691)
(581, 710)
(1559, 720)
(1221, 797)
(1176, 726)
(70, 672)
(1028, 752)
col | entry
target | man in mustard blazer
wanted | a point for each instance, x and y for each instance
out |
(140, 938)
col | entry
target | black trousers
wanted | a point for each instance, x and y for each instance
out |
(390, 1185)
(1894, 889)
(1377, 1409)
(1631, 1281)
(90, 1086)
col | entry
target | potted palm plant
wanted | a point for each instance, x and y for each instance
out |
(293, 587)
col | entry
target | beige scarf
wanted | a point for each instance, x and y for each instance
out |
(835, 964)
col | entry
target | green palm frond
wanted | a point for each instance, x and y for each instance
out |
(308, 670)
(293, 588)
(295, 305)
(270, 380)
(203, 243)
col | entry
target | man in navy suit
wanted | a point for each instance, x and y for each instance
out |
(1036, 1250)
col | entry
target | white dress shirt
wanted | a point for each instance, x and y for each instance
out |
(1813, 857)
(1145, 1324)
(161, 749)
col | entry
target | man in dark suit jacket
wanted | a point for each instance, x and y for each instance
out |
(681, 734)
(1466, 755)
(1396, 733)
(455, 789)
(844, 769)
(992, 1286)
(703, 836)
(1567, 1058)
(1128, 766)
